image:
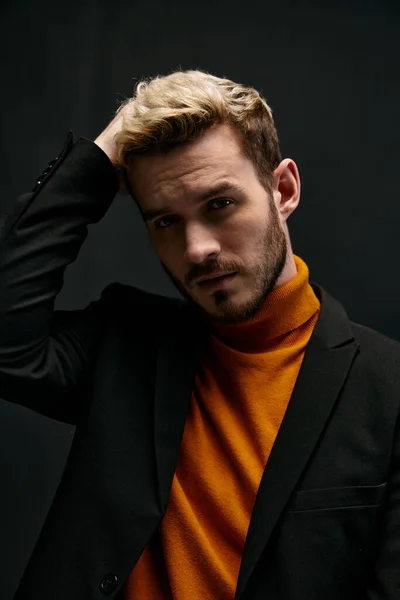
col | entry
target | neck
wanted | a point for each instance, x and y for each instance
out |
(289, 271)
(287, 307)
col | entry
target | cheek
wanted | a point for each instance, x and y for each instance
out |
(245, 233)
(163, 248)
(171, 258)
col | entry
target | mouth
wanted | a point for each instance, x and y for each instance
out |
(216, 281)
(214, 276)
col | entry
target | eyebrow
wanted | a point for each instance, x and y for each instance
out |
(221, 188)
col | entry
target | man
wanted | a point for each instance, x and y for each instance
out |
(242, 443)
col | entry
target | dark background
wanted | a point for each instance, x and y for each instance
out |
(331, 73)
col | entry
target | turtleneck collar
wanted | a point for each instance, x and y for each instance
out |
(284, 310)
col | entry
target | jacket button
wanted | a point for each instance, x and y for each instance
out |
(109, 584)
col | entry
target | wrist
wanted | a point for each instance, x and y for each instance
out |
(107, 148)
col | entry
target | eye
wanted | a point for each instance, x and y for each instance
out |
(219, 202)
(165, 222)
(160, 224)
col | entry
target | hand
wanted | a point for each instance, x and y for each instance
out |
(106, 138)
(106, 142)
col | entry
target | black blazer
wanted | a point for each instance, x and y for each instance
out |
(326, 523)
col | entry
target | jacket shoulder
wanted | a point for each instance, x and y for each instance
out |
(379, 359)
(375, 340)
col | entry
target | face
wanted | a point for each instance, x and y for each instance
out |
(208, 215)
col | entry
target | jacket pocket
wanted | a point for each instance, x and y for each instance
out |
(339, 497)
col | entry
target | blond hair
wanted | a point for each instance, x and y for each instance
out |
(170, 110)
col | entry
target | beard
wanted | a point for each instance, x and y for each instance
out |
(266, 272)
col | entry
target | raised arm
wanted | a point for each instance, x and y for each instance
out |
(44, 354)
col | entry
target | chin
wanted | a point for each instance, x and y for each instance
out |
(229, 312)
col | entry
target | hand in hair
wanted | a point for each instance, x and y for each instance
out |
(106, 141)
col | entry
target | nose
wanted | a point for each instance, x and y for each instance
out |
(201, 243)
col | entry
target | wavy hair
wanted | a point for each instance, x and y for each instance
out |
(166, 111)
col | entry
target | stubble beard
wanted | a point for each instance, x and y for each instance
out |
(272, 260)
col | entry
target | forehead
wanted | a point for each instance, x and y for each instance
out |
(191, 168)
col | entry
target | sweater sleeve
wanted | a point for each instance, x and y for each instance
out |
(44, 353)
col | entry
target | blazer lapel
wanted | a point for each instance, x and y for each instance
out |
(327, 360)
(179, 349)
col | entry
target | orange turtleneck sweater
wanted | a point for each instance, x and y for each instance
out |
(241, 392)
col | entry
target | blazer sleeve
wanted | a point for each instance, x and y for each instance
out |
(385, 574)
(44, 354)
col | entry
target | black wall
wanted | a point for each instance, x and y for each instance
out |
(331, 72)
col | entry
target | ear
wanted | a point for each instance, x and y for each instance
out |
(286, 187)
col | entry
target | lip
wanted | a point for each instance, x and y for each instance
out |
(216, 282)
(213, 276)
